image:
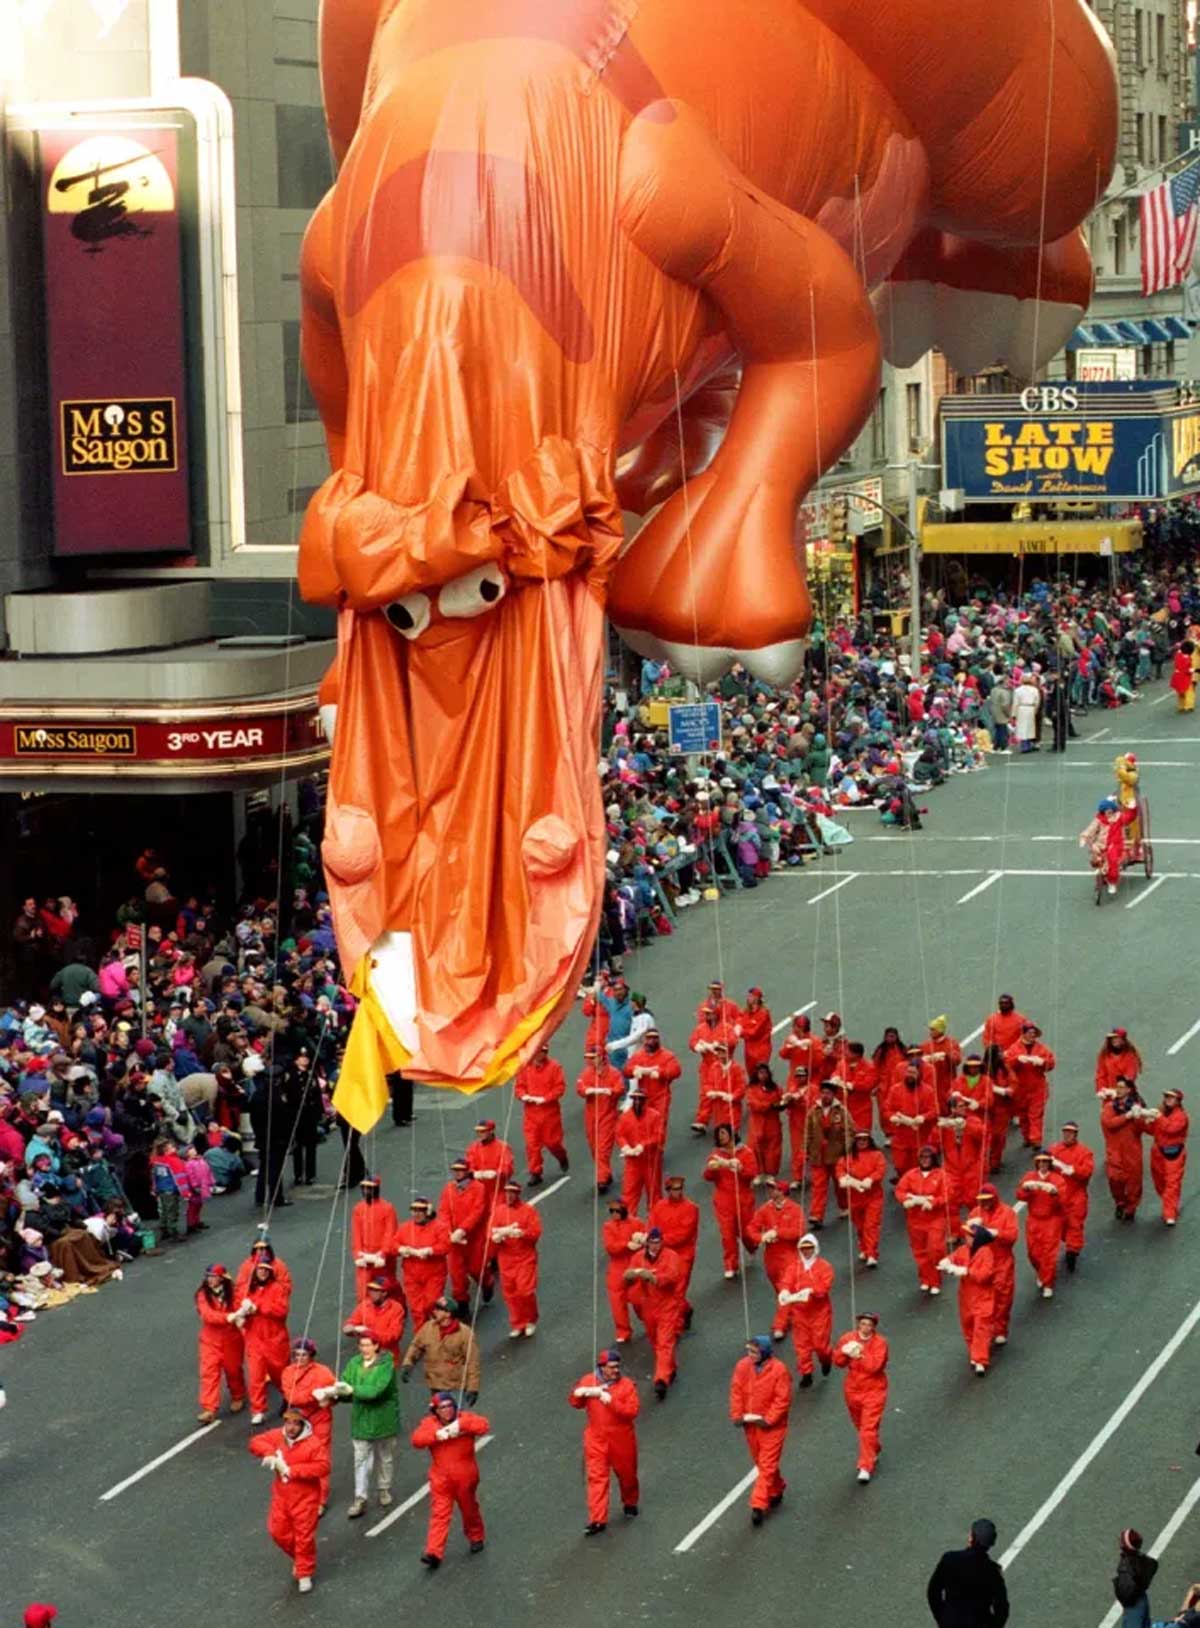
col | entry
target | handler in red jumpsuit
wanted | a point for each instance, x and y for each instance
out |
(1168, 1153)
(220, 1345)
(464, 1207)
(262, 1315)
(722, 1089)
(1075, 1164)
(677, 1217)
(942, 1055)
(380, 1313)
(490, 1158)
(596, 1037)
(754, 1021)
(924, 1196)
(836, 1046)
(863, 1353)
(260, 1250)
(1001, 1029)
(611, 1404)
(617, 1240)
(601, 1086)
(449, 1436)
(857, 1084)
(909, 1113)
(1044, 1192)
(1000, 1220)
(639, 1144)
(861, 1176)
(799, 1099)
(516, 1228)
(778, 1225)
(422, 1247)
(298, 1461)
(764, 1101)
(760, 1399)
(1118, 1058)
(1029, 1064)
(302, 1376)
(656, 1294)
(972, 1100)
(540, 1086)
(804, 1297)
(657, 1069)
(727, 1010)
(828, 1139)
(373, 1223)
(974, 1265)
(802, 1050)
(1123, 1121)
(731, 1170)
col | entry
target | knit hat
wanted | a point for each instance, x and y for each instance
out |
(217, 1271)
(605, 1357)
(938, 1025)
(485, 1125)
(438, 1397)
(309, 1347)
(378, 1283)
(763, 1344)
(1131, 1540)
(38, 1615)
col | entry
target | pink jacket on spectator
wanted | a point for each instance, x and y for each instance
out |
(113, 980)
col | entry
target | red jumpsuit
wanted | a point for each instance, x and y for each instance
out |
(1002, 1030)
(764, 1389)
(927, 1222)
(372, 1231)
(800, 1098)
(465, 1207)
(1112, 1066)
(755, 1024)
(453, 1478)
(641, 1172)
(609, 1443)
(766, 1127)
(293, 1516)
(245, 1270)
(543, 1120)
(660, 1306)
(614, 1237)
(1123, 1156)
(811, 1320)
(601, 1090)
(518, 1261)
(913, 1102)
(866, 1391)
(424, 1278)
(384, 1323)
(803, 1051)
(976, 1107)
(267, 1343)
(657, 1071)
(861, 1081)
(492, 1163)
(977, 1301)
(1075, 1165)
(298, 1383)
(596, 1037)
(866, 1209)
(729, 1014)
(220, 1351)
(1168, 1159)
(733, 1201)
(1029, 1070)
(942, 1056)
(837, 1057)
(1002, 1222)
(787, 1222)
(1044, 1217)
(716, 1075)
(678, 1219)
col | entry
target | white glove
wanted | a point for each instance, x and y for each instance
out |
(1064, 1169)
(246, 1307)
(422, 1254)
(602, 1396)
(866, 1183)
(3, 1397)
(232, 1316)
(770, 1236)
(321, 1393)
(537, 1100)
(752, 1418)
(636, 1240)
(486, 1175)
(284, 1473)
(342, 1389)
(363, 1260)
(803, 1296)
(853, 1348)
(458, 1236)
(450, 1430)
(270, 1462)
(785, 1298)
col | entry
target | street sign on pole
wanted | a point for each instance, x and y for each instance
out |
(695, 728)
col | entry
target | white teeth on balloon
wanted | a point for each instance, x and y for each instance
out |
(973, 330)
(773, 664)
(328, 716)
(394, 982)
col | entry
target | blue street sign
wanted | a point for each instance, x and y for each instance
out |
(695, 728)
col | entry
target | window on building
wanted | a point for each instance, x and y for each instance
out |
(1141, 139)
(912, 413)
(1139, 37)
(1160, 43)
(302, 155)
(1163, 151)
(298, 404)
(1120, 247)
(879, 446)
(1148, 369)
(1169, 358)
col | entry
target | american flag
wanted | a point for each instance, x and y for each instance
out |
(1169, 218)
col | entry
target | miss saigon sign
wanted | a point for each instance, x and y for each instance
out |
(1113, 442)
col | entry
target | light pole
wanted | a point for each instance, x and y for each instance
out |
(914, 561)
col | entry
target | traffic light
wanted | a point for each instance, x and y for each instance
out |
(839, 521)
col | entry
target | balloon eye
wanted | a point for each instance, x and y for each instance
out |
(474, 593)
(410, 615)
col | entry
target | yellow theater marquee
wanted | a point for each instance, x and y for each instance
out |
(1047, 538)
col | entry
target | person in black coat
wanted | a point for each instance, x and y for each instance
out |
(967, 1587)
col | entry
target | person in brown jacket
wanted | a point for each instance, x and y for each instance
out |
(827, 1138)
(450, 1352)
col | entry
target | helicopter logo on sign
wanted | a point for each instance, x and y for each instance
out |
(109, 185)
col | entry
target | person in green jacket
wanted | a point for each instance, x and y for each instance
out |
(368, 1383)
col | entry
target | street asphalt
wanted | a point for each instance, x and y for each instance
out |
(99, 1390)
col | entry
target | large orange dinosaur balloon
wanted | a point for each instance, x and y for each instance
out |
(566, 232)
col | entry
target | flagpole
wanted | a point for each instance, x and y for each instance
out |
(1181, 159)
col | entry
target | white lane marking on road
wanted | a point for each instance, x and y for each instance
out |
(130, 1480)
(783, 1022)
(1162, 1541)
(845, 882)
(715, 1513)
(553, 1188)
(1101, 1438)
(974, 1035)
(1159, 699)
(1144, 762)
(1145, 893)
(1184, 1038)
(413, 1500)
(1098, 736)
(981, 887)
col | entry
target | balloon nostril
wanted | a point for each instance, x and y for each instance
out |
(489, 590)
(399, 618)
